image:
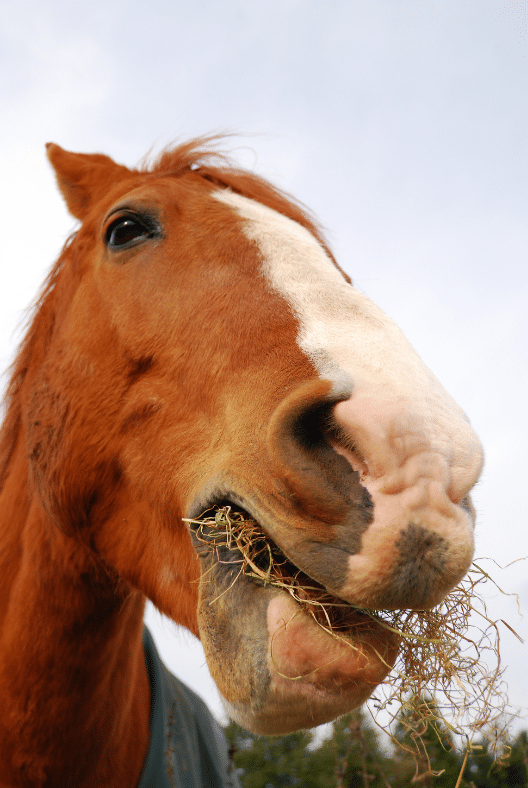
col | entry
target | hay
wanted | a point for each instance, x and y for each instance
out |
(448, 672)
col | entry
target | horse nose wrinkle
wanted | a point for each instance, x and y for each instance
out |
(399, 441)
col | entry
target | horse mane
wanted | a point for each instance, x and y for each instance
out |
(39, 326)
(198, 157)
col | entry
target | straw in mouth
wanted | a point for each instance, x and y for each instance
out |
(240, 542)
(440, 653)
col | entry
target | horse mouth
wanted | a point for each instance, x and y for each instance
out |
(242, 549)
(298, 655)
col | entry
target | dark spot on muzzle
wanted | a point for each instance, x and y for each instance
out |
(423, 556)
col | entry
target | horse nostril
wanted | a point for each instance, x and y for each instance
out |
(311, 428)
(319, 482)
(316, 434)
(316, 430)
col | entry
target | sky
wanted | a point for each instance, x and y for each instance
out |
(402, 125)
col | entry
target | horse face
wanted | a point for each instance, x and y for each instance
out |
(212, 352)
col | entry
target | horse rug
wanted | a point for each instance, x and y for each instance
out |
(187, 747)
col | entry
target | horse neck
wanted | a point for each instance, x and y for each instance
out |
(73, 683)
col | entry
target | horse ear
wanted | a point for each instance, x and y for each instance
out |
(83, 178)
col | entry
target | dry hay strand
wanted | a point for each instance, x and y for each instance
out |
(448, 674)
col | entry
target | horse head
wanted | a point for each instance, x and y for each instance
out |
(199, 346)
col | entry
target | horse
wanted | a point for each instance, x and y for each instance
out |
(196, 345)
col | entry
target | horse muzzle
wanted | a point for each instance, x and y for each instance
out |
(379, 486)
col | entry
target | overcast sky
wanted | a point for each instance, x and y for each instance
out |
(401, 123)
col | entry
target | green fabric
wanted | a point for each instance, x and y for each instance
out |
(187, 747)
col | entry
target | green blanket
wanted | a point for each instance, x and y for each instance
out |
(187, 747)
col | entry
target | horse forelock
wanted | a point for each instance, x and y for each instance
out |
(39, 325)
(204, 161)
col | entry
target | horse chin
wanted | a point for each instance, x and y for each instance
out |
(277, 667)
(315, 676)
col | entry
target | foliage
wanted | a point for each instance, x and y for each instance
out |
(426, 753)
(355, 756)
(272, 761)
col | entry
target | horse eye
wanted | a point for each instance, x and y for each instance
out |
(126, 231)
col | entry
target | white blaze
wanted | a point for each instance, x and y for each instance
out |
(398, 410)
